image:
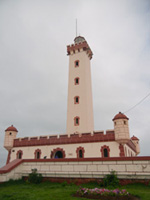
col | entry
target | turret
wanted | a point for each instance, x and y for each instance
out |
(135, 140)
(121, 128)
(10, 135)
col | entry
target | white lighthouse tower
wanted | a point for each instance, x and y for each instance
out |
(80, 105)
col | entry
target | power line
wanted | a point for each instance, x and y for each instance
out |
(138, 103)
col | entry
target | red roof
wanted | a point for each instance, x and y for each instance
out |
(11, 128)
(120, 116)
(134, 138)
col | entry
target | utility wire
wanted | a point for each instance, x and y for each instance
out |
(138, 103)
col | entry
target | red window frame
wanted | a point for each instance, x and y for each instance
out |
(75, 99)
(76, 63)
(75, 121)
(77, 78)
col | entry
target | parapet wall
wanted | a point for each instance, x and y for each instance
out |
(65, 139)
(90, 168)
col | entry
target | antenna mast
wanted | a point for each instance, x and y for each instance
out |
(76, 27)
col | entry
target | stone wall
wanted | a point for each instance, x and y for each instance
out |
(89, 168)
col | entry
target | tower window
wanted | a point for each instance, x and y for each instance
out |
(10, 133)
(76, 81)
(125, 122)
(76, 63)
(76, 100)
(76, 121)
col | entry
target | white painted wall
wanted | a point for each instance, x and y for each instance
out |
(91, 150)
(84, 90)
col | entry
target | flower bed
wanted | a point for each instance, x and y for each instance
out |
(104, 194)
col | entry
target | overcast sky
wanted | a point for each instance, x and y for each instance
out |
(34, 65)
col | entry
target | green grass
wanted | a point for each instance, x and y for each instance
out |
(19, 190)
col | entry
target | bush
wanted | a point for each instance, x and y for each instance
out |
(110, 180)
(34, 177)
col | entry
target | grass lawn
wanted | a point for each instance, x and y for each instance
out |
(18, 190)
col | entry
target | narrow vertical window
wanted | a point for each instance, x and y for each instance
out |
(19, 154)
(37, 154)
(76, 100)
(76, 121)
(80, 154)
(76, 81)
(105, 153)
(76, 63)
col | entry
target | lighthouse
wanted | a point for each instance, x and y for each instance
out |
(80, 105)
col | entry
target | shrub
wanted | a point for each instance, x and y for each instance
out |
(110, 180)
(64, 183)
(34, 177)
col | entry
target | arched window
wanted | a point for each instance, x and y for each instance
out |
(80, 152)
(58, 153)
(76, 121)
(105, 151)
(37, 154)
(76, 100)
(19, 154)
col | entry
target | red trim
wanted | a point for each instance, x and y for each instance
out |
(75, 63)
(121, 148)
(17, 154)
(75, 80)
(84, 45)
(83, 151)
(73, 139)
(76, 99)
(102, 151)
(8, 157)
(75, 122)
(35, 153)
(15, 163)
(54, 152)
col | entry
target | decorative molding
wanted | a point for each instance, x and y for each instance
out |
(77, 47)
(56, 150)
(73, 139)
